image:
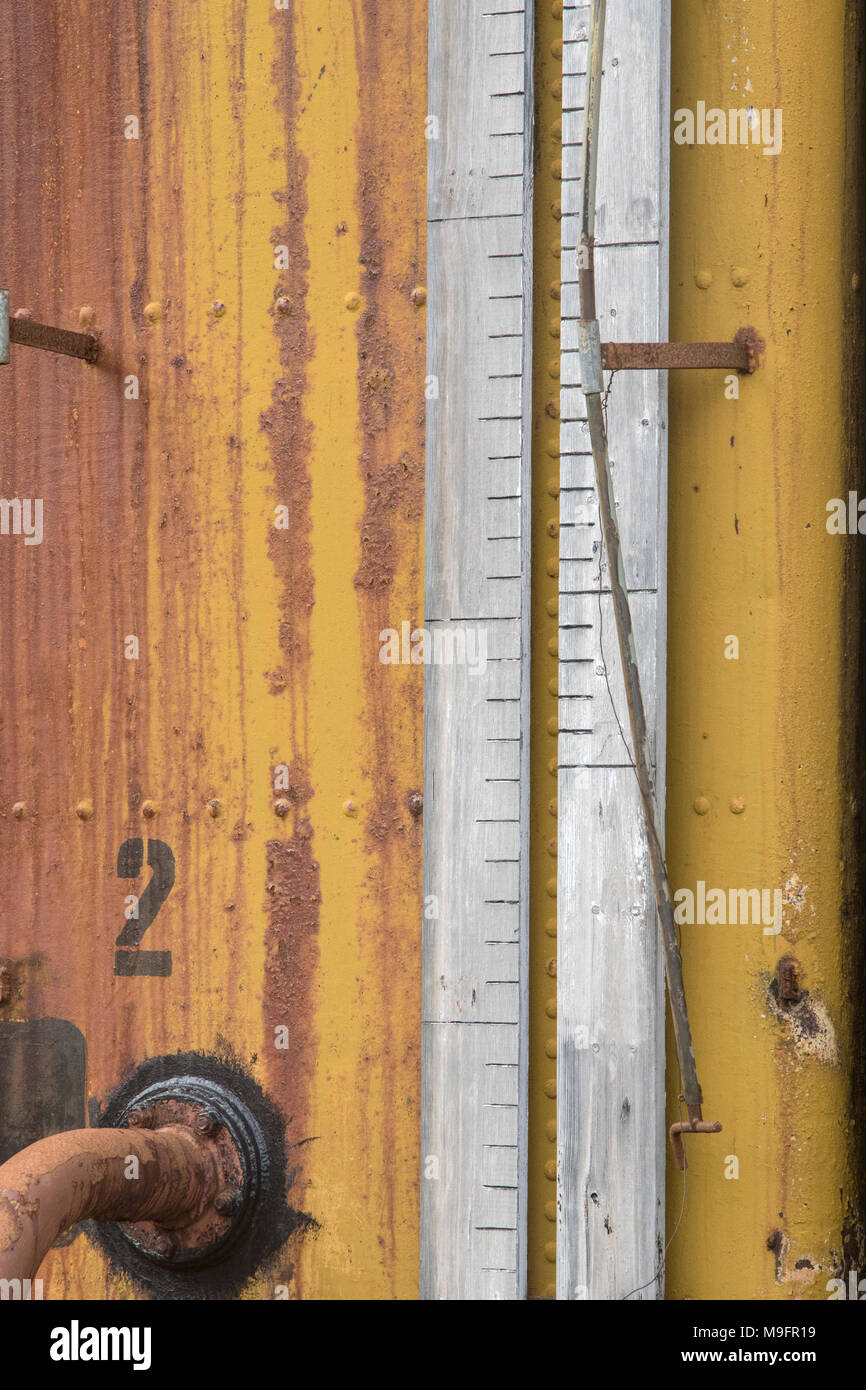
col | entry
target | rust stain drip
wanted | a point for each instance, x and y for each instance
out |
(292, 882)
(288, 429)
(291, 962)
(390, 397)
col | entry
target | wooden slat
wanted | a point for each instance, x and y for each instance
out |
(611, 999)
(473, 1206)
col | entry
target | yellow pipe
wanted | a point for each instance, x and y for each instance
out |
(755, 659)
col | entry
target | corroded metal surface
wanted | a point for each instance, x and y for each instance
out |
(170, 1176)
(232, 198)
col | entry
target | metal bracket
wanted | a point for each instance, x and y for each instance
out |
(694, 1125)
(741, 355)
(39, 335)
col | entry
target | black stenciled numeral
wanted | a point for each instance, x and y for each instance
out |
(130, 858)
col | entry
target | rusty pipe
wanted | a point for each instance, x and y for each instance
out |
(52, 1184)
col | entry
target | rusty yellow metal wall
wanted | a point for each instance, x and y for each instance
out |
(251, 245)
(757, 746)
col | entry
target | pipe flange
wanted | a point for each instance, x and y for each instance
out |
(230, 1134)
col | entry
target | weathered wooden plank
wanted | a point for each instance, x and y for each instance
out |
(611, 1000)
(473, 1206)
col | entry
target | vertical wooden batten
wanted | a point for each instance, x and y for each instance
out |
(610, 1120)
(476, 783)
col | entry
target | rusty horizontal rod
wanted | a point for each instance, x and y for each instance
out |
(693, 1125)
(86, 1173)
(743, 354)
(26, 333)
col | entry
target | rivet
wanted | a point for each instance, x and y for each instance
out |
(556, 91)
(551, 967)
(19, 810)
(552, 848)
(149, 809)
(164, 1246)
(556, 48)
(550, 1088)
(739, 275)
(553, 726)
(553, 486)
(553, 369)
(551, 410)
(349, 808)
(556, 252)
(214, 808)
(556, 169)
(552, 606)
(416, 803)
(550, 1169)
(86, 316)
(553, 449)
(550, 927)
(552, 806)
(553, 687)
(227, 1201)
(553, 767)
(550, 1252)
(282, 807)
(704, 279)
(556, 9)
(419, 295)
(552, 568)
(283, 305)
(551, 887)
(550, 1048)
(153, 312)
(84, 810)
(353, 302)
(550, 1008)
(701, 805)
(595, 1047)
(553, 646)
(738, 805)
(554, 328)
(218, 308)
(596, 910)
(207, 1122)
(556, 289)
(550, 1211)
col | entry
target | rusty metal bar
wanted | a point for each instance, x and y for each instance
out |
(743, 354)
(694, 1125)
(86, 1173)
(26, 333)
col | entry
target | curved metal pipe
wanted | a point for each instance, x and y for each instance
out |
(52, 1184)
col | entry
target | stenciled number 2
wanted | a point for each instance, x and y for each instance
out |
(128, 959)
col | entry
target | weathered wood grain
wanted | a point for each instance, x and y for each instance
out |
(473, 1200)
(611, 999)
